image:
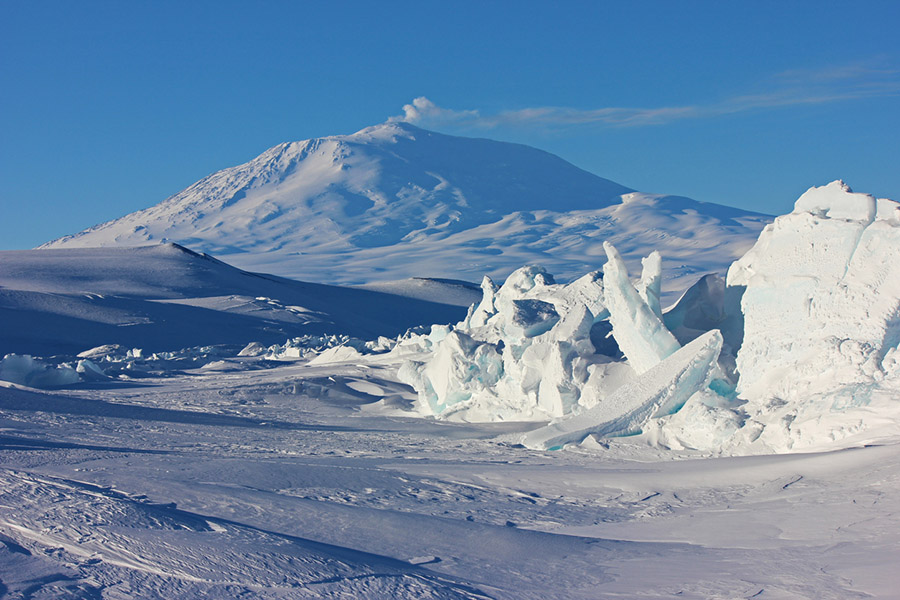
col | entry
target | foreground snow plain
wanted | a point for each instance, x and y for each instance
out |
(308, 481)
(306, 469)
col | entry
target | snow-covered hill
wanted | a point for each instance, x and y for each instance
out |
(394, 201)
(165, 297)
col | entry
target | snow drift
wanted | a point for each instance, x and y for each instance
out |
(797, 349)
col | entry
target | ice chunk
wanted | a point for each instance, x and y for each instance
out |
(478, 316)
(821, 302)
(555, 369)
(89, 371)
(604, 378)
(585, 292)
(104, 351)
(661, 390)
(25, 370)
(638, 329)
(707, 421)
(837, 201)
(253, 349)
(527, 279)
(887, 210)
(650, 285)
(337, 354)
(460, 367)
(700, 309)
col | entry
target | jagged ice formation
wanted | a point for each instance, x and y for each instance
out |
(798, 349)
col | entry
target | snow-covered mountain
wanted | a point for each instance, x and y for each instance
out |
(394, 201)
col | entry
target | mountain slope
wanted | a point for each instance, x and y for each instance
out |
(394, 201)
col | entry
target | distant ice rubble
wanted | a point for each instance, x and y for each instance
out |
(796, 349)
(113, 361)
(24, 369)
(104, 363)
(315, 346)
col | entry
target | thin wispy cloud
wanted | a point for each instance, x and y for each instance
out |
(789, 88)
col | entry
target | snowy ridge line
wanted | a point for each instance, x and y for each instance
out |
(162, 298)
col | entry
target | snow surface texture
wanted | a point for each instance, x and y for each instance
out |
(301, 481)
(819, 303)
(393, 201)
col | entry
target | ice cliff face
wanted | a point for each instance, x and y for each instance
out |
(822, 294)
(821, 307)
(811, 317)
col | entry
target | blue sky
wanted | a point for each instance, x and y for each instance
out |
(109, 107)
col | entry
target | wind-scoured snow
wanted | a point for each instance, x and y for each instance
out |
(258, 484)
(394, 201)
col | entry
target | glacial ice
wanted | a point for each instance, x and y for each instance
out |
(637, 323)
(660, 391)
(822, 296)
(23, 369)
(797, 348)
(525, 351)
(821, 309)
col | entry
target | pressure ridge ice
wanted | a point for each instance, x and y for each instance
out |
(800, 346)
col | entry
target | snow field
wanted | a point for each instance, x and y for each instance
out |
(244, 482)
